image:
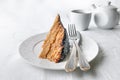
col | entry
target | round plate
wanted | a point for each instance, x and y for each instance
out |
(31, 47)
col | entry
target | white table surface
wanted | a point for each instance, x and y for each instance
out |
(24, 18)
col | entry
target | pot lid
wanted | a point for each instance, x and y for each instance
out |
(109, 6)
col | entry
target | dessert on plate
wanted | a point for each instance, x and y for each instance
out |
(56, 45)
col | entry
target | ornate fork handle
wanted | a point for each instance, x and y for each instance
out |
(84, 65)
(72, 62)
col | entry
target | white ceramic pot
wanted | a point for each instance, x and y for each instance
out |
(106, 17)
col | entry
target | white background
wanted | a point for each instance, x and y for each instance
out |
(20, 19)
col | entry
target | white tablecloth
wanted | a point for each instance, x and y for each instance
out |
(20, 19)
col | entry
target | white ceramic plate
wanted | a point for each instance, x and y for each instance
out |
(30, 48)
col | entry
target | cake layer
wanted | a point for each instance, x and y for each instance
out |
(53, 44)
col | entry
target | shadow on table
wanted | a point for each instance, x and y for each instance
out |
(94, 65)
(117, 28)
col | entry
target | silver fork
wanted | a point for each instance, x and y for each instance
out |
(72, 61)
(84, 65)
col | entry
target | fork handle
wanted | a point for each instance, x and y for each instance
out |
(84, 64)
(72, 61)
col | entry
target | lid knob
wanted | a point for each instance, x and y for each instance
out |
(109, 3)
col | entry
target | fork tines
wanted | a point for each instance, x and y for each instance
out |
(72, 30)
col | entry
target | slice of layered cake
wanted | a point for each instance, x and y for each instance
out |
(56, 45)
